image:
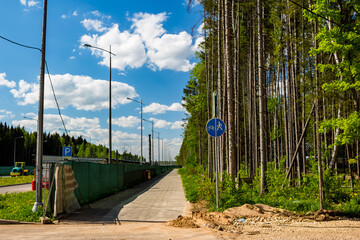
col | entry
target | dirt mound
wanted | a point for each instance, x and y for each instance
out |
(183, 222)
(247, 219)
(257, 210)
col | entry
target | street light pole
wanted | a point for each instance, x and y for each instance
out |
(158, 146)
(162, 152)
(110, 53)
(15, 149)
(152, 140)
(141, 116)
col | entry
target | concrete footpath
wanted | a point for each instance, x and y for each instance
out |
(15, 188)
(136, 213)
(159, 200)
(162, 202)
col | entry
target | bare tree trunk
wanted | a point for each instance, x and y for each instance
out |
(219, 87)
(230, 87)
(208, 87)
(318, 140)
(250, 107)
(286, 136)
(254, 109)
(262, 97)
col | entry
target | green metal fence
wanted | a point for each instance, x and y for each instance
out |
(5, 171)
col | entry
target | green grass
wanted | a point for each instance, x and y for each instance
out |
(18, 206)
(298, 199)
(16, 180)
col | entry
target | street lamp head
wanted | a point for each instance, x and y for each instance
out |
(87, 45)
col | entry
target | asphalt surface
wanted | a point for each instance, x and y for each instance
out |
(16, 188)
(158, 200)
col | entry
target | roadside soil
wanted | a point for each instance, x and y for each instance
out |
(260, 221)
(245, 222)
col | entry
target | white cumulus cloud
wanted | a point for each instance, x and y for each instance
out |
(52, 123)
(165, 51)
(93, 24)
(80, 92)
(129, 48)
(6, 114)
(146, 42)
(6, 83)
(160, 123)
(157, 108)
(177, 125)
(126, 122)
(29, 3)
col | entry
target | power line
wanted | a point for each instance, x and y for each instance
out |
(338, 24)
(22, 45)
(57, 104)
(48, 72)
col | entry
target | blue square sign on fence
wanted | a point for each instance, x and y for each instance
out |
(67, 152)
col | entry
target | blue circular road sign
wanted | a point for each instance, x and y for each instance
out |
(215, 127)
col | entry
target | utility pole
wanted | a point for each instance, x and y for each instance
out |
(141, 117)
(110, 136)
(39, 140)
(150, 149)
(158, 146)
(152, 133)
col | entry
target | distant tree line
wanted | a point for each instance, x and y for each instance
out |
(53, 143)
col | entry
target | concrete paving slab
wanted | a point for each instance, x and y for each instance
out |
(157, 200)
(163, 202)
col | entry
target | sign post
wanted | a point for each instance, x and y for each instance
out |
(215, 128)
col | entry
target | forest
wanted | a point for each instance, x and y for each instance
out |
(287, 78)
(25, 147)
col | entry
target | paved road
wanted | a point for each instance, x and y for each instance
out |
(158, 200)
(16, 188)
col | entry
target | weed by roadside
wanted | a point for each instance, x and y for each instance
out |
(300, 199)
(18, 206)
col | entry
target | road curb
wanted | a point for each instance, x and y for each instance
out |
(7, 222)
(14, 185)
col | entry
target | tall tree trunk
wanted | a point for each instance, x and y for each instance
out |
(208, 88)
(219, 83)
(317, 116)
(230, 87)
(262, 97)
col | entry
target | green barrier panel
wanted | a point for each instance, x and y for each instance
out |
(5, 171)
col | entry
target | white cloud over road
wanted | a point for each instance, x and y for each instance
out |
(80, 92)
(160, 123)
(146, 42)
(129, 48)
(126, 122)
(157, 108)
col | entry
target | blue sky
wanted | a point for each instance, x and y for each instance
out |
(155, 50)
